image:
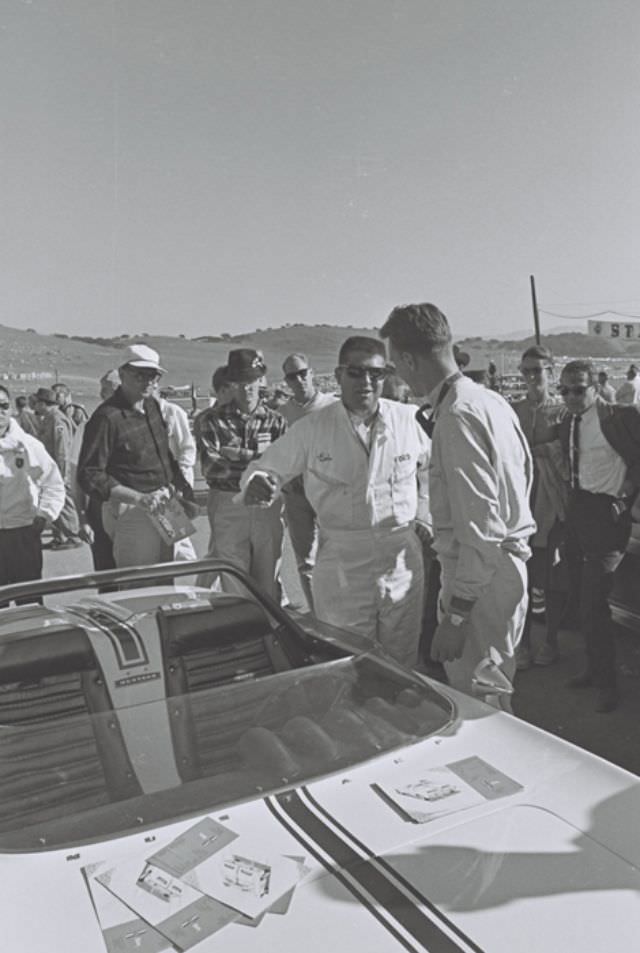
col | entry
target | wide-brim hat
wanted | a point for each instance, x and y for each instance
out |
(245, 364)
(46, 395)
(139, 355)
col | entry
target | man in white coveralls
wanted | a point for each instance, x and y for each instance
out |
(364, 463)
(480, 483)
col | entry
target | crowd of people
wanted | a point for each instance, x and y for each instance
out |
(425, 512)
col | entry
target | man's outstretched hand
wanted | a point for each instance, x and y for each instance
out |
(260, 490)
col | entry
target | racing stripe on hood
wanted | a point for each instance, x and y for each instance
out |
(406, 915)
(403, 884)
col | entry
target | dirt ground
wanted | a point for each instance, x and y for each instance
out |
(541, 697)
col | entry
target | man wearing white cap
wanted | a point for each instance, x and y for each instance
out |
(126, 460)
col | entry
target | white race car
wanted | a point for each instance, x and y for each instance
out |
(189, 769)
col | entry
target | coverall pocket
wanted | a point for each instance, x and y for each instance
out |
(330, 493)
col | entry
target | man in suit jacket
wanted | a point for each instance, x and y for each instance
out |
(601, 443)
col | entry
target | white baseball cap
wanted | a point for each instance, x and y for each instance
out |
(139, 355)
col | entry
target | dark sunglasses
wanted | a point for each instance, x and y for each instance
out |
(5, 405)
(293, 375)
(358, 372)
(578, 391)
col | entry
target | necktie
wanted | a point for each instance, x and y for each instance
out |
(574, 456)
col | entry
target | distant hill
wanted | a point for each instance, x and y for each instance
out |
(82, 362)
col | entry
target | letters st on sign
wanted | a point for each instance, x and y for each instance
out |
(629, 330)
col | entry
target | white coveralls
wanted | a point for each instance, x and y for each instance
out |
(369, 573)
(480, 483)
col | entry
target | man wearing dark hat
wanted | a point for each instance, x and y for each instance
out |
(56, 433)
(229, 437)
(125, 460)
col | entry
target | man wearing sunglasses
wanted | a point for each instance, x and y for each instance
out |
(33, 495)
(364, 463)
(125, 460)
(299, 514)
(480, 480)
(601, 443)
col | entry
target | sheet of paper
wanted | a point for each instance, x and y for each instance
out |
(245, 876)
(121, 929)
(177, 910)
(196, 845)
(429, 794)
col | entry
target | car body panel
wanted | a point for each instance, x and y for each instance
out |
(546, 857)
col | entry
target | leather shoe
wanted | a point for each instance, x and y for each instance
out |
(606, 701)
(582, 680)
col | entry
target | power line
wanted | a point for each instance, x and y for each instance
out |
(581, 317)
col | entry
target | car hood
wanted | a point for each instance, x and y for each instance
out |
(550, 862)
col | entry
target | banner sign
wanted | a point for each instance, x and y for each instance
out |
(629, 330)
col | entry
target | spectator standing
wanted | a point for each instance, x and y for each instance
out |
(77, 413)
(57, 433)
(601, 443)
(32, 496)
(25, 416)
(299, 514)
(480, 481)
(229, 437)
(605, 389)
(629, 392)
(364, 463)
(539, 413)
(126, 461)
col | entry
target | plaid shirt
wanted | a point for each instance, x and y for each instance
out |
(227, 426)
(122, 446)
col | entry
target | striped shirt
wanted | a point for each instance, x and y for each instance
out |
(249, 435)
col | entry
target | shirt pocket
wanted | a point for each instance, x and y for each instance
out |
(329, 490)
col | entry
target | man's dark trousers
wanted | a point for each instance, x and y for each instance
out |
(598, 528)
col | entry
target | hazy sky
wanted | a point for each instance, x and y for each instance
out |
(199, 166)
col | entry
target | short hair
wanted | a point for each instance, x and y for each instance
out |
(219, 378)
(355, 343)
(633, 368)
(538, 353)
(417, 327)
(581, 366)
(21, 401)
(62, 389)
(5, 390)
(603, 375)
(300, 357)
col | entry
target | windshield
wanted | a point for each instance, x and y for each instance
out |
(82, 776)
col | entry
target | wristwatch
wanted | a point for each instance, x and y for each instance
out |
(456, 619)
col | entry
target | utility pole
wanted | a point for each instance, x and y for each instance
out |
(534, 302)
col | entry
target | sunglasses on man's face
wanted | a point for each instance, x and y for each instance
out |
(360, 371)
(5, 405)
(303, 373)
(578, 390)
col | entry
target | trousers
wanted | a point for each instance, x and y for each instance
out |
(303, 532)
(497, 621)
(136, 542)
(249, 536)
(20, 557)
(597, 536)
(372, 581)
